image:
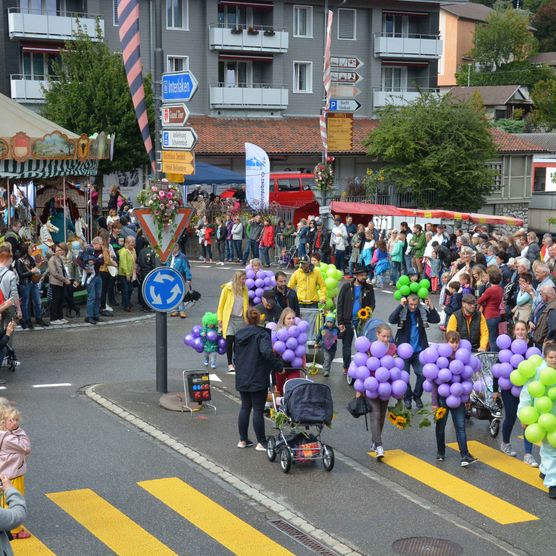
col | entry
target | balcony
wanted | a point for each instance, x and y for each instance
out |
(396, 98)
(30, 24)
(253, 39)
(27, 89)
(262, 96)
(407, 46)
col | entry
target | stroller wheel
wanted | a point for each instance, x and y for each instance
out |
(494, 428)
(349, 380)
(327, 457)
(285, 460)
(271, 448)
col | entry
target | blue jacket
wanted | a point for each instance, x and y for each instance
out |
(181, 265)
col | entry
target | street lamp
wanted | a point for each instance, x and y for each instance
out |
(469, 61)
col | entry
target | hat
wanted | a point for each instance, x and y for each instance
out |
(358, 269)
(469, 298)
(304, 260)
(330, 317)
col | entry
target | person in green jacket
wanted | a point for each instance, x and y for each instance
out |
(418, 243)
(126, 271)
(396, 258)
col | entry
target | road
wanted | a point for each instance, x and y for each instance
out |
(99, 485)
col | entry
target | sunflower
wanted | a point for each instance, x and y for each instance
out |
(364, 313)
(400, 420)
(392, 417)
(439, 414)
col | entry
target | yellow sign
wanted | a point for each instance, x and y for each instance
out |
(178, 168)
(340, 132)
(175, 178)
(186, 157)
(178, 162)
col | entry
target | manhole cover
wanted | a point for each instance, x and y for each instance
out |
(426, 546)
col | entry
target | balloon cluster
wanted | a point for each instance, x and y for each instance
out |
(197, 342)
(404, 287)
(539, 418)
(378, 374)
(257, 283)
(290, 343)
(451, 376)
(510, 356)
(332, 277)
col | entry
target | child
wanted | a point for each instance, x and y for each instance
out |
(284, 260)
(380, 262)
(207, 241)
(287, 319)
(435, 265)
(458, 416)
(396, 258)
(255, 265)
(384, 335)
(444, 299)
(209, 334)
(455, 298)
(465, 283)
(327, 340)
(15, 447)
(548, 453)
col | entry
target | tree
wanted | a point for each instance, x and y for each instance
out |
(544, 100)
(436, 145)
(522, 73)
(505, 38)
(544, 21)
(89, 93)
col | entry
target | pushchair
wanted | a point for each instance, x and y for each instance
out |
(483, 406)
(9, 360)
(307, 408)
(369, 330)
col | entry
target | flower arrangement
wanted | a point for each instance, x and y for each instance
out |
(324, 174)
(164, 200)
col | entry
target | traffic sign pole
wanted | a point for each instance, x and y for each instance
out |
(161, 352)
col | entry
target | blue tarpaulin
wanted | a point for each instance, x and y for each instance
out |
(208, 174)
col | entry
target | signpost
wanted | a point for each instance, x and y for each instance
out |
(344, 91)
(340, 132)
(178, 86)
(343, 76)
(347, 62)
(344, 105)
(178, 162)
(174, 115)
(182, 139)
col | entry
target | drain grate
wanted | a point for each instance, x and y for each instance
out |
(426, 546)
(302, 538)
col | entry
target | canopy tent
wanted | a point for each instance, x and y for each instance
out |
(343, 207)
(208, 174)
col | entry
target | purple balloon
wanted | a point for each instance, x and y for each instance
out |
(387, 361)
(430, 355)
(405, 376)
(261, 274)
(378, 349)
(291, 343)
(456, 366)
(196, 331)
(475, 363)
(282, 334)
(445, 350)
(532, 351)
(444, 375)
(452, 402)
(359, 386)
(444, 390)
(382, 374)
(303, 326)
(503, 341)
(372, 395)
(288, 356)
(250, 283)
(259, 283)
(456, 378)
(362, 373)
(371, 383)
(279, 346)
(212, 335)
(266, 283)
(222, 343)
(259, 292)
(504, 383)
(399, 363)
(463, 355)
(269, 273)
(273, 337)
(221, 351)
(399, 388)
(465, 344)
(384, 390)
(456, 389)
(199, 349)
(188, 339)
(373, 363)
(256, 300)
(302, 338)
(427, 386)
(362, 344)
(271, 325)
(430, 371)
(300, 351)
(464, 398)
(442, 362)
(360, 359)
(519, 346)
(395, 374)
(516, 391)
(297, 363)
(405, 351)
(515, 360)
(467, 387)
(467, 372)
(251, 294)
(352, 370)
(504, 356)
(250, 275)
(496, 371)
(293, 331)
(296, 321)
(505, 370)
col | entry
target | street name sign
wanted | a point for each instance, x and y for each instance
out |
(338, 90)
(340, 132)
(178, 162)
(344, 105)
(183, 139)
(178, 86)
(163, 289)
(174, 115)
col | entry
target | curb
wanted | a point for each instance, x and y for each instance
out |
(86, 324)
(241, 486)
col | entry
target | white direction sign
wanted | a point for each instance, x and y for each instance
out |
(184, 139)
(345, 62)
(344, 91)
(344, 105)
(345, 76)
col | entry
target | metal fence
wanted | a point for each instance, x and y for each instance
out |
(401, 199)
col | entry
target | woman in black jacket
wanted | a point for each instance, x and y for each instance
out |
(254, 359)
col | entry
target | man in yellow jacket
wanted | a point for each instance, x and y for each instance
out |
(308, 284)
(470, 323)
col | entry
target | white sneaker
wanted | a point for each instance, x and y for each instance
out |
(58, 322)
(530, 460)
(507, 449)
(109, 309)
(379, 452)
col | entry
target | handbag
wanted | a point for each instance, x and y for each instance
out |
(358, 406)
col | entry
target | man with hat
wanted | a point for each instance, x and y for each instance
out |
(308, 284)
(268, 308)
(353, 296)
(470, 323)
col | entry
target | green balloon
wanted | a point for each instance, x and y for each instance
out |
(551, 393)
(551, 438)
(404, 280)
(405, 291)
(535, 389)
(527, 368)
(414, 287)
(528, 415)
(338, 275)
(543, 404)
(334, 293)
(323, 267)
(534, 433)
(423, 293)
(331, 266)
(398, 285)
(535, 360)
(330, 283)
(329, 303)
(397, 295)
(517, 379)
(424, 283)
(548, 422)
(548, 376)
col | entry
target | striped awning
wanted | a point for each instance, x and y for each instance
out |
(41, 169)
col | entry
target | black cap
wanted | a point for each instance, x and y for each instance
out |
(359, 269)
(304, 260)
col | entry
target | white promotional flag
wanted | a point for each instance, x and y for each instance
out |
(257, 176)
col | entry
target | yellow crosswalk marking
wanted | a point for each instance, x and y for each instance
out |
(30, 547)
(117, 531)
(461, 491)
(223, 526)
(506, 464)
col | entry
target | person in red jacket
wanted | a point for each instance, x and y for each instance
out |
(207, 242)
(490, 302)
(266, 242)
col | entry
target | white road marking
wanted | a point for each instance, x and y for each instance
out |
(214, 378)
(54, 385)
(202, 266)
(3, 387)
(337, 360)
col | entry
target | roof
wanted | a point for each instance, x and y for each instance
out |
(16, 117)
(471, 11)
(545, 140)
(493, 95)
(548, 58)
(513, 143)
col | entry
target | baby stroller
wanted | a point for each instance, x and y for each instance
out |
(10, 360)
(307, 408)
(369, 331)
(483, 406)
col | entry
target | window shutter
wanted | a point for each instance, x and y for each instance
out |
(346, 24)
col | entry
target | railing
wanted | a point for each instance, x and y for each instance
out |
(398, 98)
(29, 88)
(254, 95)
(56, 13)
(400, 199)
(241, 27)
(414, 45)
(251, 38)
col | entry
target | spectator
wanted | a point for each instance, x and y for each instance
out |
(127, 273)
(28, 274)
(254, 233)
(543, 278)
(491, 301)
(266, 242)
(418, 243)
(221, 234)
(339, 242)
(543, 324)
(322, 243)
(237, 238)
(58, 280)
(14, 239)
(524, 300)
(8, 287)
(147, 261)
(533, 249)
(12, 516)
(229, 238)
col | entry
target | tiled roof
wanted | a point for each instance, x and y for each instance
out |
(545, 140)
(548, 58)
(290, 136)
(491, 95)
(472, 11)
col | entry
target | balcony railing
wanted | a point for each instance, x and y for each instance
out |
(400, 199)
(258, 95)
(407, 46)
(24, 88)
(383, 98)
(38, 24)
(257, 38)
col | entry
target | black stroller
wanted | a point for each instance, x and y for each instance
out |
(307, 408)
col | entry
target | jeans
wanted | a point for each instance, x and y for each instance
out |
(254, 401)
(377, 416)
(229, 250)
(253, 247)
(30, 294)
(339, 257)
(94, 288)
(408, 266)
(325, 256)
(107, 289)
(57, 302)
(302, 249)
(458, 418)
(492, 325)
(395, 271)
(347, 339)
(265, 257)
(238, 243)
(510, 416)
(221, 246)
(127, 289)
(417, 391)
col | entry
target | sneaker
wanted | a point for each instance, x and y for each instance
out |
(245, 444)
(506, 447)
(183, 315)
(41, 322)
(407, 404)
(326, 373)
(372, 447)
(379, 452)
(260, 447)
(88, 320)
(231, 369)
(24, 324)
(418, 403)
(440, 457)
(109, 309)
(530, 460)
(466, 461)
(213, 366)
(57, 322)
(552, 492)
(206, 363)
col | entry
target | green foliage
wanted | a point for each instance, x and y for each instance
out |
(544, 99)
(506, 37)
(544, 22)
(533, 5)
(520, 73)
(89, 93)
(510, 126)
(436, 145)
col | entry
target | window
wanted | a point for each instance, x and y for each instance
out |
(497, 180)
(539, 179)
(177, 14)
(395, 25)
(234, 16)
(177, 63)
(347, 21)
(235, 73)
(394, 79)
(288, 184)
(303, 21)
(39, 65)
(303, 77)
(115, 12)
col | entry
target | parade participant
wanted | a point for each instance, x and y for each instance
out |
(490, 301)
(327, 341)
(210, 345)
(90, 260)
(339, 242)
(285, 297)
(470, 323)
(180, 263)
(268, 308)
(232, 308)
(543, 321)
(458, 416)
(58, 280)
(286, 320)
(308, 284)
(29, 277)
(353, 296)
(12, 515)
(547, 452)
(411, 318)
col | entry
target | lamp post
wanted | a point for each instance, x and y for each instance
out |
(469, 61)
